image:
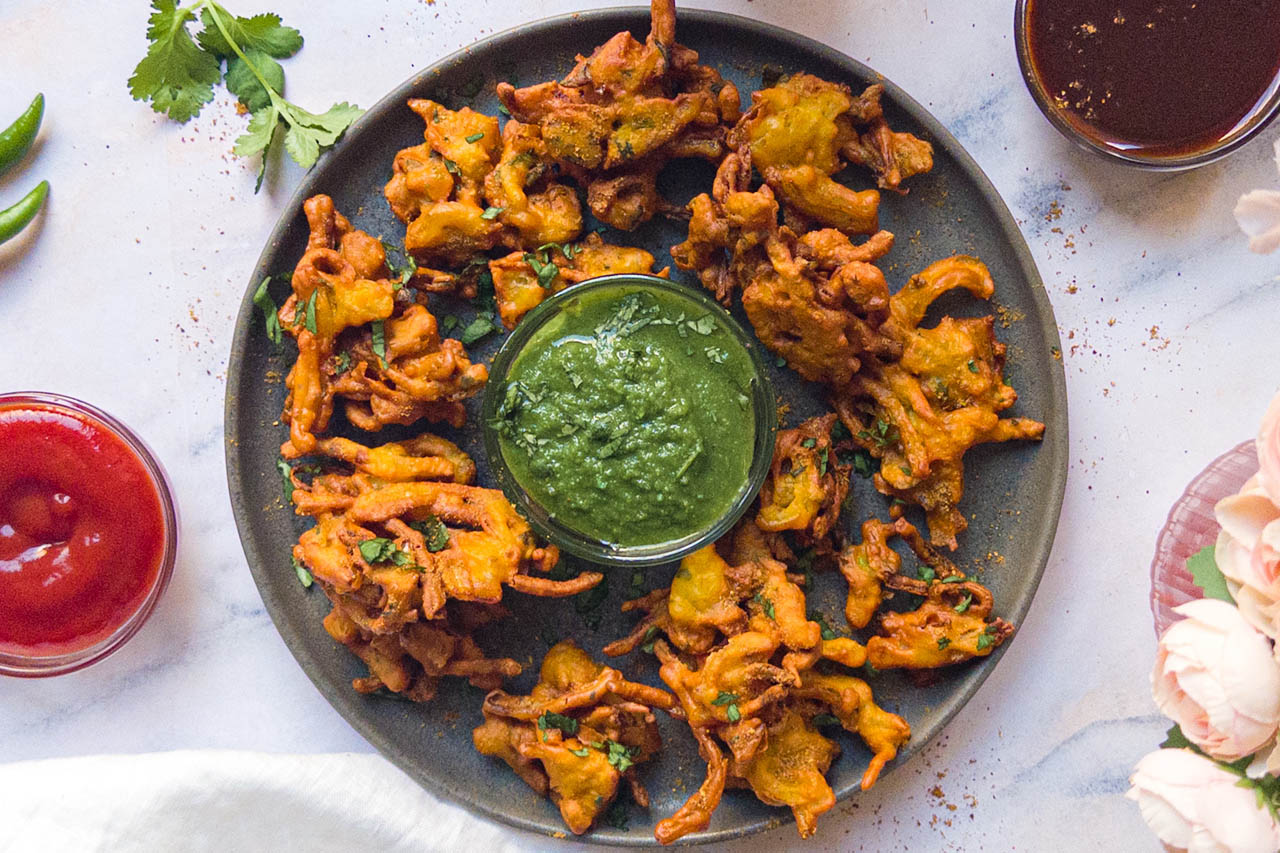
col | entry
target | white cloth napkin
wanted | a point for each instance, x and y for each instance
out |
(233, 802)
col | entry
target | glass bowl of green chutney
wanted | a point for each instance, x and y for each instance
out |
(630, 419)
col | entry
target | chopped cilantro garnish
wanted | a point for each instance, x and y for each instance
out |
(620, 755)
(286, 478)
(823, 461)
(451, 167)
(267, 306)
(828, 633)
(883, 434)
(724, 699)
(552, 720)
(404, 270)
(943, 642)
(864, 465)
(342, 362)
(987, 638)
(581, 753)
(304, 574)
(927, 573)
(646, 644)
(973, 368)
(733, 713)
(492, 212)
(383, 550)
(310, 323)
(379, 337)
(809, 442)
(952, 579)
(964, 603)
(434, 532)
(475, 137)
(451, 322)
(765, 604)
(478, 328)
(780, 361)
(839, 432)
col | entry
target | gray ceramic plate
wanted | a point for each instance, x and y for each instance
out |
(1014, 491)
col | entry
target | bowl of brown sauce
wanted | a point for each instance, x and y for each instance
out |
(1159, 84)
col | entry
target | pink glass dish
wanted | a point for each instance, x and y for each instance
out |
(1190, 527)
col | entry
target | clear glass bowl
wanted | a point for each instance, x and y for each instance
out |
(1192, 526)
(764, 411)
(1076, 130)
(34, 667)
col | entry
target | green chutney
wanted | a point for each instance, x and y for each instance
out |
(628, 416)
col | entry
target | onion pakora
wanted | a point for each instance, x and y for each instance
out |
(815, 300)
(581, 731)
(951, 625)
(805, 129)
(920, 413)
(624, 111)
(742, 668)
(362, 339)
(522, 280)
(807, 485)
(410, 554)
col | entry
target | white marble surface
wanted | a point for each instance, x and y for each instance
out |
(126, 292)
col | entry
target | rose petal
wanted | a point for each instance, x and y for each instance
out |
(1243, 516)
(1258, 215)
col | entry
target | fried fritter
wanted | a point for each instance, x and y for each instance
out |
(550, 213)
(436, 187)
(746, 650)
(802, 131)
(402, 546)
(951, 625)
(919, 414)
(625, 110)
(522, 280)
(362, 340)
(578, 734)
(807, 485)
(807, 301)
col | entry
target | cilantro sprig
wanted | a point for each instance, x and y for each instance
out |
(179, 72)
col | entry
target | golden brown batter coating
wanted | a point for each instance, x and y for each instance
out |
(919, 414)
(581, 731)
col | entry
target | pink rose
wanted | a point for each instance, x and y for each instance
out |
(1216, 678)
(1269, 444)
(1248, 554)
(1192, 804)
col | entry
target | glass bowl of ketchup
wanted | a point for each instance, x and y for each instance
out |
(1159, 84)
(88, 534)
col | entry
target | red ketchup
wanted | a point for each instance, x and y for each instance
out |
(82, 531)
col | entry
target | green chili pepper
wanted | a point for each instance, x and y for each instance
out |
(14, 219)
(17, 138)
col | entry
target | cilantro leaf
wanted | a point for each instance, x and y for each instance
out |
(581, 753)
(304, 574)
(987, 638)
(552, 720)
(383, 550)
(725, 698)
(964, 603)
(620, 755)
(244, 83)
(733, 713)
(176, 75)
(765, 604)
(943, 642)
(478, 328)
(809, 442)
(492, 212)
(434, 531)
(263, 33)
(271, 319)
(650, 635)
(827, 632)
(378, 335)
(286, 477)
(1204, 571)
(475, 137)
(310, 315)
